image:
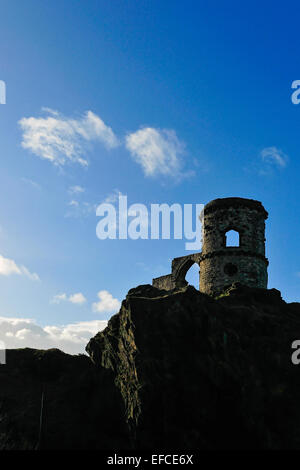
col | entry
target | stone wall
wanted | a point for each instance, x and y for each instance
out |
(220, 271)
(164, 282)
(243, 215)
(176, 279)
(221, 265)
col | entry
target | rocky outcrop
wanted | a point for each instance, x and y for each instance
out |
(51, 400)
(172, 370)
(200, 373)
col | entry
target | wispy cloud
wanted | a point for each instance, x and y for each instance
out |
(77, 298)
(273, 157)
(59, 298)
(71, 338)
(51, 111)
(32, 183)
(76, 189)
(142, 265)
(112, 197)
(78, 209)
(73, 203)
(158, 151)
(61, 139)
(106, 303)
(31, 276)
(9, 266)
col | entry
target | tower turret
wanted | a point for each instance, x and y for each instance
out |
(220, 264)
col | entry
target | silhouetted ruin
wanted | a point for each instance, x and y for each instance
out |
(222, 265)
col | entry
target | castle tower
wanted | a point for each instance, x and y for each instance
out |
(220, 264)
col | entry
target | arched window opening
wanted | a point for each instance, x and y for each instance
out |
(192, 276)
(232, 238)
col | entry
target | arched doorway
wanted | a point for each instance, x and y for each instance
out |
(192, 276)
(181, 266)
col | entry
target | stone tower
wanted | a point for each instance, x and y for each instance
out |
(221, 265)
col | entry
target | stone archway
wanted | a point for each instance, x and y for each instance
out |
(192, 276)
(180, 267)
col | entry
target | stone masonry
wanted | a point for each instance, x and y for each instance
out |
(222, 265)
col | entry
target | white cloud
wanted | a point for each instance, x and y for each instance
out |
(9, 267)
(158, 151)
(274, 156)
(73, 203)
(50, 111)
(58, 298)
(60, 139)
(112, 197)
(77, 298)
(71, 338)
(31, 276)
(76, 189)
(80, 209)
(106, 303)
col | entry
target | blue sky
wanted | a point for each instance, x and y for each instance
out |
(210, 82)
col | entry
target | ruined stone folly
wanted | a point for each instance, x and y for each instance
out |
(220, 264)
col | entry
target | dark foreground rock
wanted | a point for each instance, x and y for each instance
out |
(174, 370)
(81, 407)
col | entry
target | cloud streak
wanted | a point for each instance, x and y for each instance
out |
(9, 266)
(274, 156)
(80, 209)
(76, 189)
(77, 298)
(71, 338)
(61, 139)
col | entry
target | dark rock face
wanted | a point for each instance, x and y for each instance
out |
(195, 372)
(81, 407)
(173, 369)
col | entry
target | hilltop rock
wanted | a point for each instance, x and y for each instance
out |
(172, 370)
(200, 373)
